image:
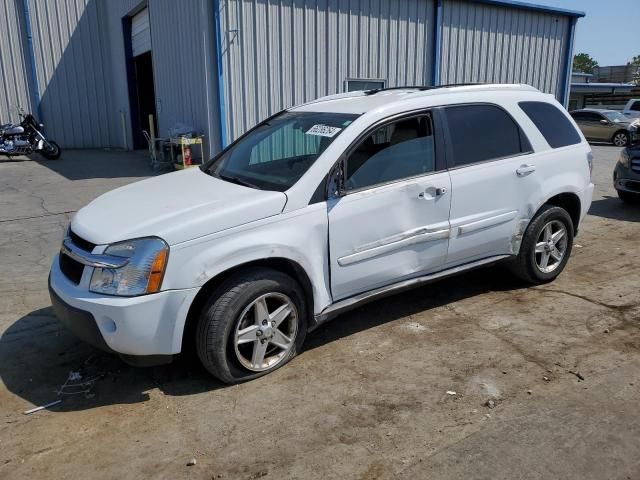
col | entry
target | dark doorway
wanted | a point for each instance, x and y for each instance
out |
(145, 94)
(142, 98)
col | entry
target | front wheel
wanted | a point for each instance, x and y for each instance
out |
(254, 323)
(546, 246)
(620, 139)
(51, 151)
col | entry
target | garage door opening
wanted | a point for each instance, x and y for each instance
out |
(142, 98)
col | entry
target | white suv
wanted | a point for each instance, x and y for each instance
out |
(320, 208)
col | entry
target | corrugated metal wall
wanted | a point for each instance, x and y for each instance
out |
(70, 67)
(277, 53)
(485, 43)
(14, 82)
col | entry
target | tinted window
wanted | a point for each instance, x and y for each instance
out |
(552, 123)
(394, 151)
(635, 106)
(483, 132)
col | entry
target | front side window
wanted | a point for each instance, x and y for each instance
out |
(392, 152)
(480, 133)
(635, 106)
(275, 154)
(616, 117)
(554, 126)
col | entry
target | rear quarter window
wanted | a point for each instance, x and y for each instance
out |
(554, 126)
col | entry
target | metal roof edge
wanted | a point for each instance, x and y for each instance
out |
(533, 6)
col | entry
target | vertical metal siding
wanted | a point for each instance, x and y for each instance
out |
(71, 72)
(179, 50)
(485, 43)
(277, 53)
(14, 83)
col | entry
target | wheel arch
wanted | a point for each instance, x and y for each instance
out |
(280, 264)
(571, 203)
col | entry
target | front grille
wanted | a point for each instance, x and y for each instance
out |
(81, 242)
(71, 268)
(635, 164)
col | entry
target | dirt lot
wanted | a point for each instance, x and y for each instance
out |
(366, 399)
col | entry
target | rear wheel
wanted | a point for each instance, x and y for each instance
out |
(620, 139)
(546, 246)
(254, 323)
(51, 151)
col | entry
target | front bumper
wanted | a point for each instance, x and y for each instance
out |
(625, 179)
(133, 326)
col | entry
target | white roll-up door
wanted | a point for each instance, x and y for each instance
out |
(140, 33)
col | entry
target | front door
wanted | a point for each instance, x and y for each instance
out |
(493, 182)
(392, 221)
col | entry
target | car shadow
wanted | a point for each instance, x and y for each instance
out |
(37, 354)
(615, 209)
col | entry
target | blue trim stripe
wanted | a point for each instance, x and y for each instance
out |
(568, 66)
(533, 6)
(220, 67)
(437, 43)
(35, 90)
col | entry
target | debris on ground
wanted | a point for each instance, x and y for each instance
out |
(491, 403)
(192, 462)
(606, 330)
(577, 374)
(546, 379)
(451, 392)
(530, 392)
(42, 407)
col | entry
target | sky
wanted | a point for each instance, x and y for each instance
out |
(610, 32)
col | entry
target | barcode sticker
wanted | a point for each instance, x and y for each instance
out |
(323, 130)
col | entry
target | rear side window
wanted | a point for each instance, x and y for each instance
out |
(483, 132)
(554, 126)
(635, 106)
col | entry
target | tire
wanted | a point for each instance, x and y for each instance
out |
(233, 309)
(628, 197)
(52, 153)
(620, 139)
(527, 265)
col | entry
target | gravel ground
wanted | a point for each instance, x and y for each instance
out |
(368, 397)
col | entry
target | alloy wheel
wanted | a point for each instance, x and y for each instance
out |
(266, 332)
(551, 246)
(620, 140)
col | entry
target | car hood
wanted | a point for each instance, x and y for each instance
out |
(176, 207)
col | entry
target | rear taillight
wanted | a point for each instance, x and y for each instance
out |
(590, 162)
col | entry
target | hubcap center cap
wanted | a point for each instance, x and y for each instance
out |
(266, 332)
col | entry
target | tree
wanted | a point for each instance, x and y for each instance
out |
(582, 62)
(634, 61)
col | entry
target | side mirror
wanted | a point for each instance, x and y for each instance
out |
(604, 122)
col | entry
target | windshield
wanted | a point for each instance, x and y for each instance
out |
(275, 154)
(615, 117)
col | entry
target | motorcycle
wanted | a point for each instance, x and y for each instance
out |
(27, 138)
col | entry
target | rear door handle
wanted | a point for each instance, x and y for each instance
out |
(523, 170)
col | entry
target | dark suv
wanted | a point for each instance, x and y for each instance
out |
(626, 176)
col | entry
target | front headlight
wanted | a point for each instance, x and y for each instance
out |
(142, 274)
(624, 158)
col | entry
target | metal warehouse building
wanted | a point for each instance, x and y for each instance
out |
(94, 69)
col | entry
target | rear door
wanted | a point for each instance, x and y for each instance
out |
(391, 221)
(493, 181)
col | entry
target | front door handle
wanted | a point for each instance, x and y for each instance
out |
(523, 170)
(438, 192)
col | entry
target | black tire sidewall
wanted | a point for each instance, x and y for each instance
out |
(52, 156)
(221, 315)
(527, 251)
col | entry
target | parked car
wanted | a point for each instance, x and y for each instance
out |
(606, 126)
(632, 108)
(626, 176)
(318, 209)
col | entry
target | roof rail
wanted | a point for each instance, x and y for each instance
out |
(421, 87)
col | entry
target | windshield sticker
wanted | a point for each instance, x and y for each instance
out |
(323, 130)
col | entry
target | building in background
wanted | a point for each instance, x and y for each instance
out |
(94, 70)
(617, 74)
(601, 91)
